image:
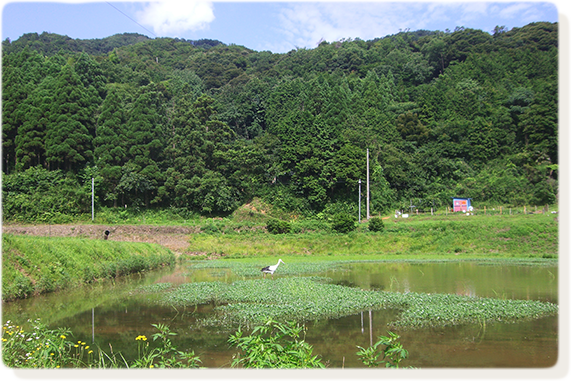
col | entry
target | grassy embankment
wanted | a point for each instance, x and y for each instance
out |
(35, 265)
(431, 237)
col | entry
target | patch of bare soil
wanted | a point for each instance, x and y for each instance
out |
(175, 238)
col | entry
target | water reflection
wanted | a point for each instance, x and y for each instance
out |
(462, 278)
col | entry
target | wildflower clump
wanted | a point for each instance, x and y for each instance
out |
(41, 347)
(38, 347)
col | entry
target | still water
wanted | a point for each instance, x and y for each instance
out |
(115, 314)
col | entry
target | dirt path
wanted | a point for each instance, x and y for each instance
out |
(175, 238)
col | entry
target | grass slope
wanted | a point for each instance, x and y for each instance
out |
(522, 236)
(35, 265)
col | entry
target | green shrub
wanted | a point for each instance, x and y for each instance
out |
(274, 345)
(21, 287)
(343, 223)
(275, 226)
(376, 224)
(392, 353)
(165, 355)
(212, 227)
(309, 226)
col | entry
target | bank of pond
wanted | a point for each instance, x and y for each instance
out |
(33, 265)
(447, 313)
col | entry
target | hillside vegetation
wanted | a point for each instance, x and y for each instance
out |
(201, 127)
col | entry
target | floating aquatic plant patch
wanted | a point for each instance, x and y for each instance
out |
(252, 269)
(190, 294)
(254, 301)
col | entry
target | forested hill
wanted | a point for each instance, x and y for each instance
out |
(205, 126)
(50, 44)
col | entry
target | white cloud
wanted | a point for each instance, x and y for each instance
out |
(174, 17)
(514, 10)
(306, 22)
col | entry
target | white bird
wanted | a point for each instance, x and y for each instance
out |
(271, 269)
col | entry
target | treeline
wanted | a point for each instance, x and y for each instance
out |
(205, 127)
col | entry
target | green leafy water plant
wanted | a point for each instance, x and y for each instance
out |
(255, 301)
(274, 345)
(252, 268)
(165, 355)
(389, 347)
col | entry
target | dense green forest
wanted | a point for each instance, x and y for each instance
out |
(203, 127)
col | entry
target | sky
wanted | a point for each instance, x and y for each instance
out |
(265, 25)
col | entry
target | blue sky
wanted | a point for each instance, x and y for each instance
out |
(275, 26)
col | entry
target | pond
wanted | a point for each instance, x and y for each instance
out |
(115, 313)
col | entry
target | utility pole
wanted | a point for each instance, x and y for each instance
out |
(92, 199)
(359, 200)
(368, 191)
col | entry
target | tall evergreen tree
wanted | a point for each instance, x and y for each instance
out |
(68, 139)
(110, 144)
(35, 110)
(540, 121)
(145, 136)
(12, 96)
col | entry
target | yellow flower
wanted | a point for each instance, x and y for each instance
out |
(63, 336)
(152, 366)
(3, 339)
(76, 345)
(87, 347)
(90, 352)
(57, 366)
(51, 354)
(82, 343)
(79, 342)
(141, 337)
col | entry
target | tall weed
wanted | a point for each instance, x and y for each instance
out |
(274, 345)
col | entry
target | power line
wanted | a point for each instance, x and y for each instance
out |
(118, 10)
